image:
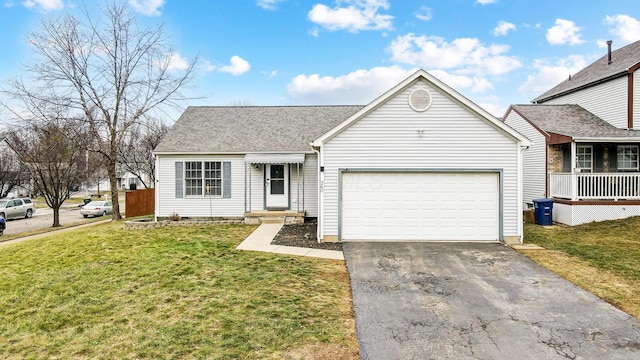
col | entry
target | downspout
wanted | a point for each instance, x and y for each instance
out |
(520, 201)
(156, 185)
(319, 194)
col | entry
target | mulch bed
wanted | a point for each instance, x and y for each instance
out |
(302, 235)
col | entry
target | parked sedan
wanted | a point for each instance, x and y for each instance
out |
(96, 208)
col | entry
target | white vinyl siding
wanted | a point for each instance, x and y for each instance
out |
(307, 187)
(533, 159)
(198, 206)
(310, 171)
(607, 101)
(636, 100)
(450, 137)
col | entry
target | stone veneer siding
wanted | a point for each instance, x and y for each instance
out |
(554, 163)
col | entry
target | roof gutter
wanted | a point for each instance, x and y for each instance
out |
(631, 139)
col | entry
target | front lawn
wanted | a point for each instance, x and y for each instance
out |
(172, 292)
(603, 258)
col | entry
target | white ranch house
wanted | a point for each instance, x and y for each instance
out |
(585, 143)
(419, 163)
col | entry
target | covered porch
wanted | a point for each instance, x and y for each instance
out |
(594, 171)
(274, 188)
(595, 186)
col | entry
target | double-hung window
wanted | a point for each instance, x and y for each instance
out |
(203, 178)
(213, 178)
(193, 178)
(627, 157)
(584, 158)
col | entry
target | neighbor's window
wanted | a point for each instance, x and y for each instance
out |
(193, 178)
(213, 178)
(584, 157)
(628, 157)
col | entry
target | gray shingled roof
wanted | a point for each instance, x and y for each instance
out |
(622, 59)
(571, 120)
(245, 129)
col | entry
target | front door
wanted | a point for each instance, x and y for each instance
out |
(277, 186)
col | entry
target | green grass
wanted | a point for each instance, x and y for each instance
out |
(602, 257)
(172, 292)
(607, 245)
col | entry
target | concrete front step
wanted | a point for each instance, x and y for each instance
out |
(274, 217)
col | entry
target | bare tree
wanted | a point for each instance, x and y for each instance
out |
(12, 171)
(110, 70)
(136, 154)
(54, 157)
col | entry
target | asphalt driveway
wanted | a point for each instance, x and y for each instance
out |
(477, 301)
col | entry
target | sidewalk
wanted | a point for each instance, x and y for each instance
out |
(260, 240)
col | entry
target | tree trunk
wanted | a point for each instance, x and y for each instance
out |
(56, 217)
(113, 181)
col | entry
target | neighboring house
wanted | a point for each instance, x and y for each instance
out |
(127, 180)
(421, 162)
(14, 175)
(585, 149)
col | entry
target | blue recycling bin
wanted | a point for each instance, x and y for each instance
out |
(543, 210)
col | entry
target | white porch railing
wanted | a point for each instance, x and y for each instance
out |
(591, 186)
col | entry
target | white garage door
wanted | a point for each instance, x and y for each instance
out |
(420, 206)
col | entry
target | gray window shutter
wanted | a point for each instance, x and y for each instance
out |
(179, 179)
(226, 179)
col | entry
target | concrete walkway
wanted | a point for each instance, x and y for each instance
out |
(260, 240)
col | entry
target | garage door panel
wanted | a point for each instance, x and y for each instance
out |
(419, 206)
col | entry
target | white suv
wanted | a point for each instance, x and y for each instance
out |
(16, 208)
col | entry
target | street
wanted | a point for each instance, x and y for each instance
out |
(43, 218)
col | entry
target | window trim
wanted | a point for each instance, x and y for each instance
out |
(203, 179)
(212, 179)
(188, 188)
(591, 157)
(619, 161)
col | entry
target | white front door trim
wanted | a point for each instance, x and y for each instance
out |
(276, 186)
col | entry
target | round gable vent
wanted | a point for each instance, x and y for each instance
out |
(420, 100)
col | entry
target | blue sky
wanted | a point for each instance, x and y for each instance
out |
(298, 52)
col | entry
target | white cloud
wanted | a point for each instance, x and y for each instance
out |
(356, 16)
(564, 31)
(357, 87)
(476, 84)
(176, 62)
(624, 26)
(237, 66)
(492, 105)
(503, 28)
(45, 5)
(147, 7)
(464, 55)
(485, 2)
(424, 14)
(548, 75)
(268, 4)
(207, 66)
(270, 74)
